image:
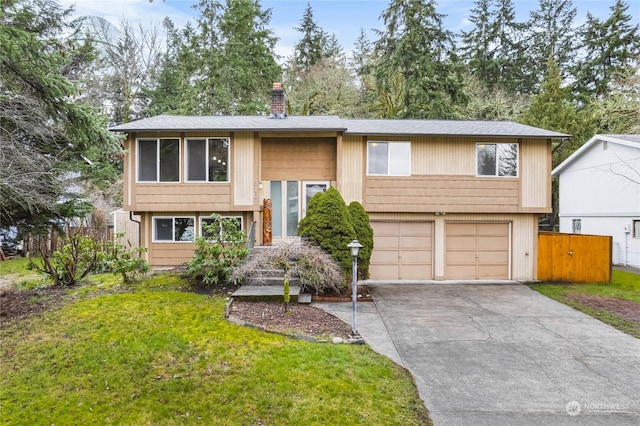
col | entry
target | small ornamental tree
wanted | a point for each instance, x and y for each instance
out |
(364, 235)
(328, 224)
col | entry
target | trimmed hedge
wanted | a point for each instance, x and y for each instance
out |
(364, 235)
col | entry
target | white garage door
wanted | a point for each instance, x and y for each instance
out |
(402, 251)
(477, 251)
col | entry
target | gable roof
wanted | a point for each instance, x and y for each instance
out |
(626, 140)
(381, 127)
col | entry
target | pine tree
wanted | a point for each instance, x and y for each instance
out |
(552, 35)
(611, 46)
(310, 49)
(416, 60)
(478, 44)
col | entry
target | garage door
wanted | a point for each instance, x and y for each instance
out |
(402, 251)
(477, 251)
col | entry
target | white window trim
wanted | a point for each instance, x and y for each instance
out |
(497, 175)
(158, 160)
(173, 225)
(202, 218)
(186, 159)
(388, 173)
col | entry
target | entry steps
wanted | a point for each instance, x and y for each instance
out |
(263, 293)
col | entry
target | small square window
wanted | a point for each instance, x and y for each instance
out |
(389, 158)
(497, 159)
(173, 229)
(576, 226)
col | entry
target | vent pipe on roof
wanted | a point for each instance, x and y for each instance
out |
(277, 104)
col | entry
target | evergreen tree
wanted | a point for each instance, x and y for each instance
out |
(509, 48)
(364, 235)
(552, 35)
(328, 224)
(618, 111)
(611, 46)
(310, 49)
(416, 59)
(46, 135)
(478, 44)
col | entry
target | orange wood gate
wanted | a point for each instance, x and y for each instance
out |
(574, 258)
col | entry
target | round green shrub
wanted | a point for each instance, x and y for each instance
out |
(328, 224)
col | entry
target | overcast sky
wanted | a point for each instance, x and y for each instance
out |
(344, 18)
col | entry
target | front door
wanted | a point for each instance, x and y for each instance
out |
(288, 206)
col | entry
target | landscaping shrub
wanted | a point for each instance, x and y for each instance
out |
(316, 270)
(364, 235)
(127, 262)
(218, 251)
(78, 257)
(328, 224)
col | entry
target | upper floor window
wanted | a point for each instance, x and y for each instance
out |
(173, 229)
(497, 159)
(158, 160)
(208, 160)
(389, 158)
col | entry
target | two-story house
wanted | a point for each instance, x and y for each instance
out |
(447, 199)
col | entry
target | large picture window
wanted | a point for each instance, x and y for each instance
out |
(208, 160)
(173, 229)
(497, 159)
(389, 158)
(158, 160)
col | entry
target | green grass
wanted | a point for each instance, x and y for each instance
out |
(155, 355)
(15, 272)
(624, 285)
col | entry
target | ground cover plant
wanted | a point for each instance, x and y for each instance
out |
(616, 303)
(155, 353)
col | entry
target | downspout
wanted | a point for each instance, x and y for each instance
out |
(139, 225)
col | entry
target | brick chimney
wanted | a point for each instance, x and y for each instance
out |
(278, 109)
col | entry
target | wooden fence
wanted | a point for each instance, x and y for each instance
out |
(47, 244)
(574, 258)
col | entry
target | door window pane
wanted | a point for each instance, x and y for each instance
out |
(276, 209)
(292, 208)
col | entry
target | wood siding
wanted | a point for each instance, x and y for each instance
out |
(441, 194)
(353, 154)
(574, 258)
(243, 180)
(182, 197)
(299, 159)
(536, 175)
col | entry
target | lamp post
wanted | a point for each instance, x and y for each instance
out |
(355, 247)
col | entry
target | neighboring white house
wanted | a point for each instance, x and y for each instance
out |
(600, 193)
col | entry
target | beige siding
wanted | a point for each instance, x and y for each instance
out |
(352, 168)
(524, 233)
(298, 159)
(535, 175)
(242, 173)
(182, 197)
(437, 156)
(122, 224)
(441, 194)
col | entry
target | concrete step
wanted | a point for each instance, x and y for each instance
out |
(269, 293)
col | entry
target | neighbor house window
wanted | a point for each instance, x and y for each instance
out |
(389, 158)
(158, 160)
(173, 229)
(497, 159)
(636, 228)
(228, 224)
(208, 160)
(576, 226)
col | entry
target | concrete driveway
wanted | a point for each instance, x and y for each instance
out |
(503, 355)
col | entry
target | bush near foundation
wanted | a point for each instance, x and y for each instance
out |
(364, 235)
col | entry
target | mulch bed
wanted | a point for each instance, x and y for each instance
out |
(625, 309)
(301, 319)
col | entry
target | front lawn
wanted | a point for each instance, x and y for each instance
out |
(153, 353)
(616, 303)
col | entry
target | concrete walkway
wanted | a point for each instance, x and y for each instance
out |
(503, 355)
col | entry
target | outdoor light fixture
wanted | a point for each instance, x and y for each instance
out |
(355, 247)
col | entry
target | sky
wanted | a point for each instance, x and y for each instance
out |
(343, 18)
